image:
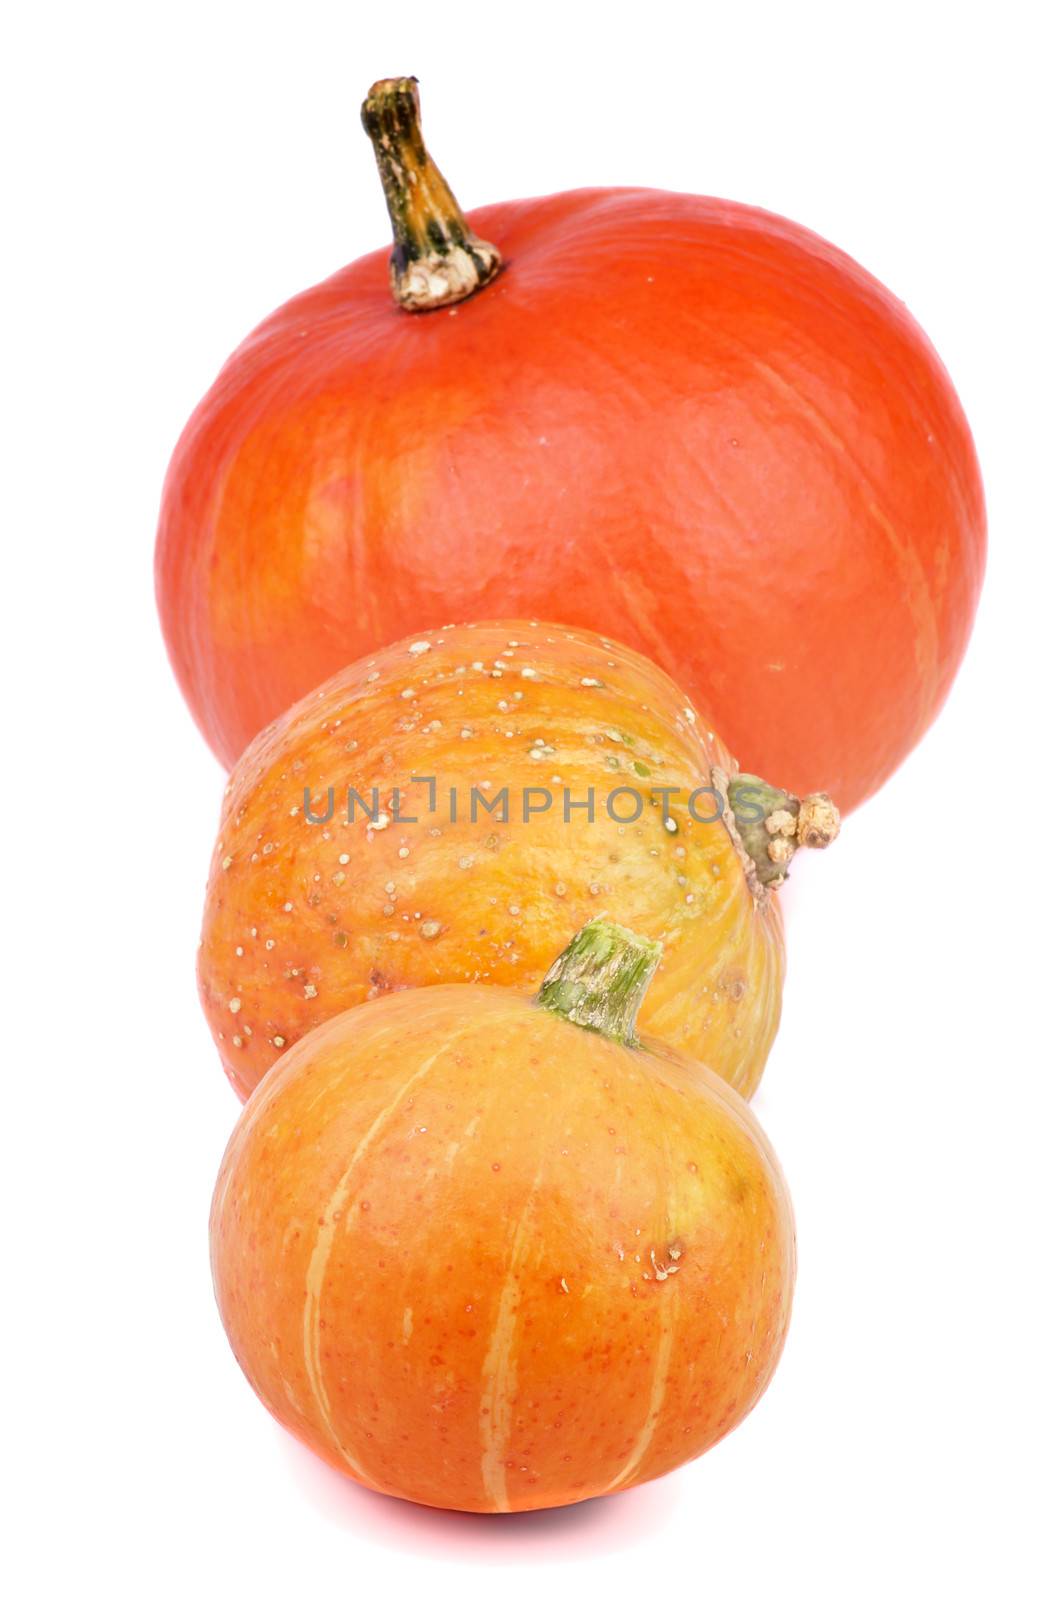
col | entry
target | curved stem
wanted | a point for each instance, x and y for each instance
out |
(436, 259)
(599, 980)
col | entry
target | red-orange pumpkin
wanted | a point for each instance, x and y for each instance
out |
(690, 424)
(479, 1256)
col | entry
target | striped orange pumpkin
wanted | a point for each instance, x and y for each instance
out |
(478, 1256)
(307, 917)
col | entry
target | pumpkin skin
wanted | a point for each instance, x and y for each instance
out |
(303, 920)
(686, 422)
(480, 1258)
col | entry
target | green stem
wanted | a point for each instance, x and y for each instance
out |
(436, 259)
(599, 980)
(772, 824)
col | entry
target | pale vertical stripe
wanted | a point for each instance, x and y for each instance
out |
(318, 1261)
(658, 1389)
(669, 1310)
(499, 1374)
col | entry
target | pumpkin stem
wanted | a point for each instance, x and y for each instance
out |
(436, 259)
(599, 980)
(768, 825)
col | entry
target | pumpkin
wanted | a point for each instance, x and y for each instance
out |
(494, 1253)
(424, 818)
(685, 422)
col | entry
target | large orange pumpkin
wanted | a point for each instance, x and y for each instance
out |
(479, 1256)
(691, 424)
(357, 855)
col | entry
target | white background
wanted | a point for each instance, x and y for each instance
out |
(173, 173)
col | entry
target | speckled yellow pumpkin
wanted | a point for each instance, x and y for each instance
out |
(453, 808)
(480, 1256)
